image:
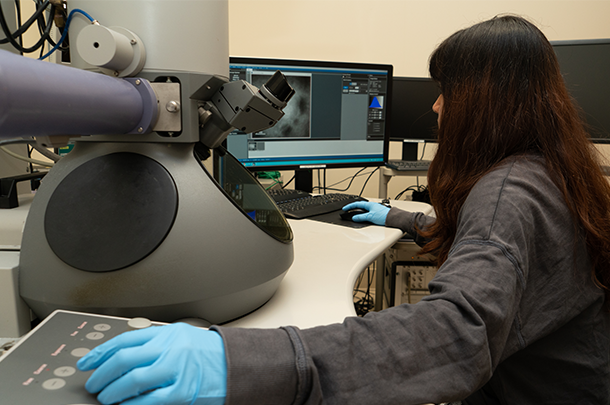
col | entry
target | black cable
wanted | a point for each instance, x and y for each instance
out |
(44, 27)
(366, 181)
(30, 164)
(419, 188)
(289, 181)
(10, 37)
(339, 182)
(41, 25)
(366, 303)
(46, 153)
(423, 152)
(18, 10)
(40, 21)
(410, 188)
(62, 11)
(20, 30)
(46, 34)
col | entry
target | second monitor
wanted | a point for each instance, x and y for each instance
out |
(337, 118)
(413, 121)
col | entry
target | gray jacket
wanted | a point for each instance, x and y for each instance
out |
(513, 318)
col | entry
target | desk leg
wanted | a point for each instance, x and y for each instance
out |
(383, 184)
(379, 280)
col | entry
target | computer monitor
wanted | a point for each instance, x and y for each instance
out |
(412, 119)
(585, 66)
(337, 118)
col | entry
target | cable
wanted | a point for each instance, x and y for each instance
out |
(60, 23)
(46, 153)
(366, 303)
(15, 141)
(65, 33)
(366, 181)
(30, 150)
(417, 188)
(26, 159)
(410, 188)
(44, 28)
(289, 181)
(11, 36)
(20, 30)
(341, 181)
(18, 10)
(273, 184)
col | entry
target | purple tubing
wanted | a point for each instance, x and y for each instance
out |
(40, 98)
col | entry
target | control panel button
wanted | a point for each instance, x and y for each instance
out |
(95, 335)
(102, 327)
(53, 384)
(139, 323)
(65, 371)
(80, 351)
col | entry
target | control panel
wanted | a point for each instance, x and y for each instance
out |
(41, 367)
(406, 274)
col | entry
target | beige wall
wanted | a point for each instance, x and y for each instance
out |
(400, 32)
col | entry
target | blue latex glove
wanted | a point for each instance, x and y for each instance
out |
(172, 364)
(376, 214)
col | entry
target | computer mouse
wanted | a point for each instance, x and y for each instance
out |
(347, 215)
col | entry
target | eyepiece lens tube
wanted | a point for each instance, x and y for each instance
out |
(279, 87)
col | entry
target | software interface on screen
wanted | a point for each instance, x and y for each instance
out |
(336, 118)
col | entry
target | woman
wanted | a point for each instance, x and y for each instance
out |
(517, 312)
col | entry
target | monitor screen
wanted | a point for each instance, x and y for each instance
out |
(412, 120)
(337, 117)
(585, 66)
(412, 116)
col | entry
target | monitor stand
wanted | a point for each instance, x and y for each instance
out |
(409, 161)
(303, 180)
(409, 150)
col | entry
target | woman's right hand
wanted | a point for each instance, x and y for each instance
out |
(376, 214)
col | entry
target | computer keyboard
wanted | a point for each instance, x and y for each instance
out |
(281, 194)
(408, 165)
(303, 205)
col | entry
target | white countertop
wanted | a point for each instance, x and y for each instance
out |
(317, 290)
(318, 287)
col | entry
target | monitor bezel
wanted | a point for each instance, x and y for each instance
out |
(331, 65)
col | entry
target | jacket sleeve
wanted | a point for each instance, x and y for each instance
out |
(409, 222)
(438, 350)
(268, 366)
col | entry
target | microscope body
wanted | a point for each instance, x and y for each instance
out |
(169, 244)
(154, 219)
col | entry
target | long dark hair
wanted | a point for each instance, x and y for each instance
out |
(504, 95)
